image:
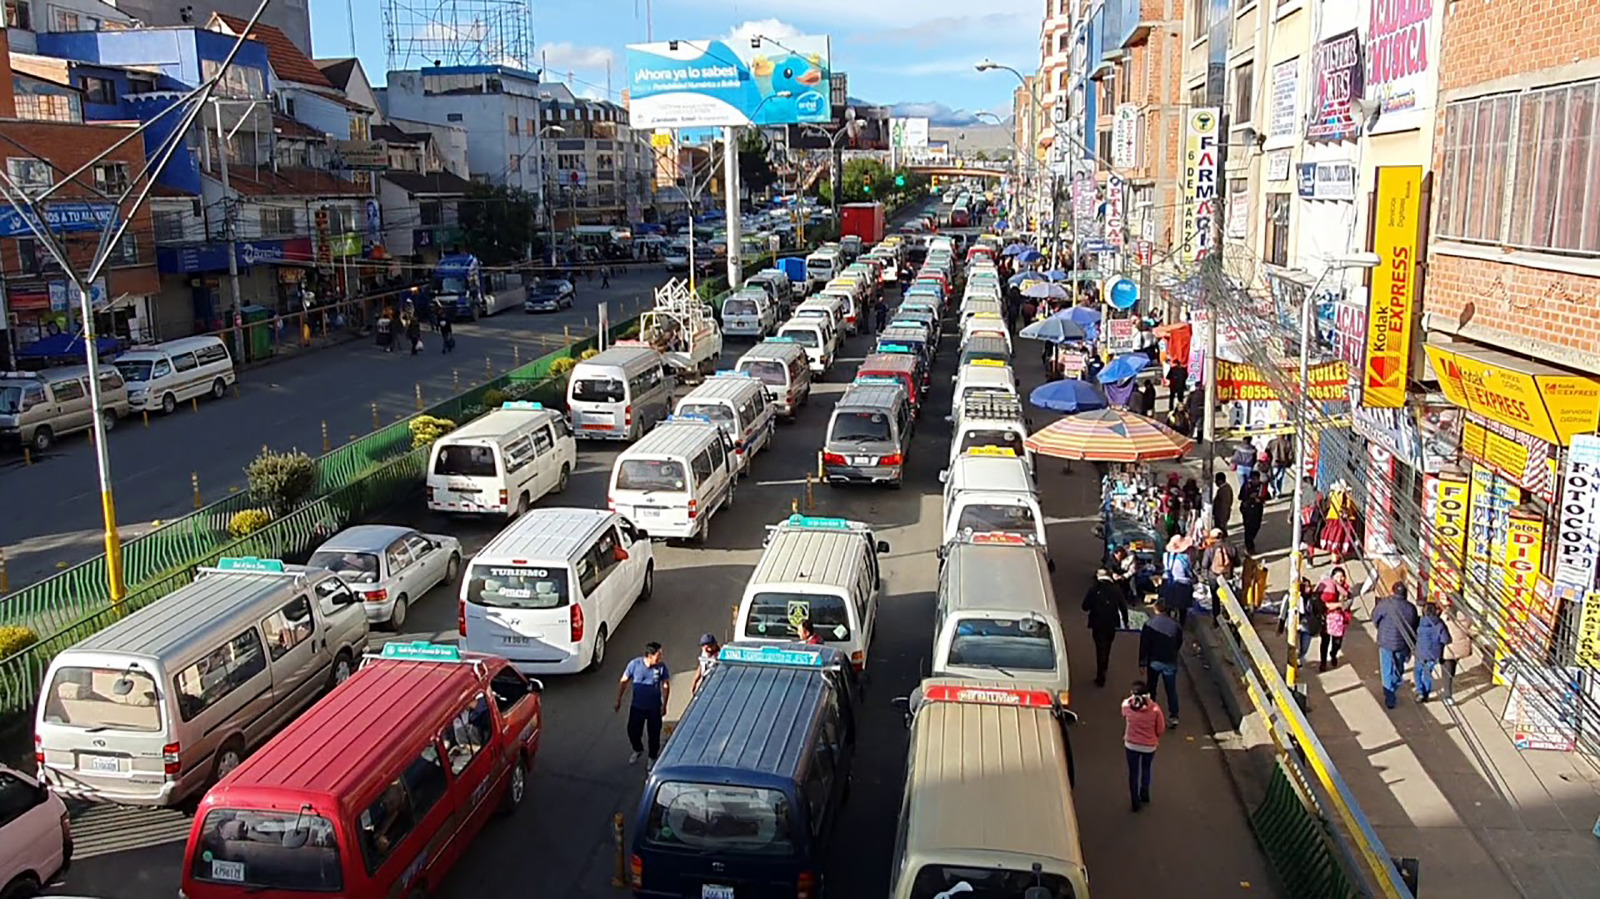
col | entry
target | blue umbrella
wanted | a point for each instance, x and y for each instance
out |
(1083, 316)
(1044, 290)
(1054, 330)
(1071, 395)
(1029, 255)
(1013, 249)
(1123, 367)
(1056, 274)
(1020, 277)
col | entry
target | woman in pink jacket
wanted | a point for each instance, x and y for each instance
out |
(1144, 725)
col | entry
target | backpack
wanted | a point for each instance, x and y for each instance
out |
(1222, 561)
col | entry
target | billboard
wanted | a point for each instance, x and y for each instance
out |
(689, 84)
(909, 134)
(1392, 312)
(1198, 199)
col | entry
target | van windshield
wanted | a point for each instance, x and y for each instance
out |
(103, 699)
(353, 567)
(1006, 644)
(135, 369)
(985, 517)
(767, 371)
(599, 390)
(717, 412)
(859, 427)
(934, 881)
(803, 336)
(739, 307)
(466, 461)
(10, 399)
(517, 587)
(720, 818)
(776, 616)
(651, 474)
(1005, 439)
(268, 851)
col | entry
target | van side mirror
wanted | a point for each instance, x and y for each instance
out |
(883, 547)
(944, 475)
(903, 704)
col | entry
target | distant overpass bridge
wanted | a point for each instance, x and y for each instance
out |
(958, 171)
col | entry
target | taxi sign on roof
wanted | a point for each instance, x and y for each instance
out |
(1000, 537)
(780, 339)
(992, 451)
(522, 406)
(420, 651)
(877, 379)
(893, 348)
(250, 563)
(993, 363)
(1028, 699)
(770, 655)
(731, 374)
(809, 521)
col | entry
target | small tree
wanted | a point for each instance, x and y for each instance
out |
(497, 223)
(247, 521)
(425, 429)
(281, 480)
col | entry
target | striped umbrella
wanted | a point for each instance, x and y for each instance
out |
(1109, 435)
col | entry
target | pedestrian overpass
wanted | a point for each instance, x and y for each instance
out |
(947, 170)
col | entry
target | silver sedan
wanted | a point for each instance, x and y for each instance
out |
(389, 566)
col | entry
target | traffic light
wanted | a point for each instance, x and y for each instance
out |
(899, 181)
(866, 183)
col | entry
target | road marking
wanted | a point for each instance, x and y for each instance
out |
(791, 482)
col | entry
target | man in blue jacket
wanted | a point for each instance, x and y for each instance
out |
(1432, 638)
(1396, 619)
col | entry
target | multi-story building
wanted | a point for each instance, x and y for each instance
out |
(26, 18)
(291, 17)
(600, 170)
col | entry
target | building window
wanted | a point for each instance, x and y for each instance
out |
(431, 212)
(1477, 144)
(48, 108)
(1063, 79)
(533, 127)
(1124, 80)
(1061, 43)
(1277, 229)
(238, 82)
(276, 220)
(514, 126)
(1103, 144)
(452, 117)
(1199, 14)
(1557, 164)
(99, 90)
(65, 20)
(1197, 96)
(168, 225)
(126, 251)
(141, 85)
(1243, 93)
(515, 164)
(111, 177)
(19, 14)
(30, 173)
(29, 256)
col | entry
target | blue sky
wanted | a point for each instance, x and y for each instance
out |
(918, 53)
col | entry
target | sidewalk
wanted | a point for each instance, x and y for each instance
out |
(1441, 784)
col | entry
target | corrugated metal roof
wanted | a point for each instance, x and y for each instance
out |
(999, 577)
(499, 423)
(811, 556)
(622, 356)
(192, 612)
(750, 718)
(722, 388)
(873, 396)
(780, 351)
(675, 438)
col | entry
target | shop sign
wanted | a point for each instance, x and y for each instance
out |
(1122, 335)
(346, 244)
(1543, 710)
(1198, 201)
(1445, 505)
(1285, 91)
(1528, 397)
(1243, 381)
(1490, 502)
(1073, 362)
(361, 155)
(1439, 424)
(1327, 180)
(1116, 193)
(1524, 548)
(1278, 165)
(1578, 520)
(1336, 74)
(1239, 213)
(1393, 429)
(72, 215)
(1349, 331)
(1125, 137)
(1402, 52)
(1521, 459)
(1589, 631)
(1391, 310)
(1378, 538)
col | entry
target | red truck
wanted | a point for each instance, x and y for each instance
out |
(864, 220)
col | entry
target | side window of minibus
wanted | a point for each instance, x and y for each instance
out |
(509, 688)
(719, 456)
(425, 781)
(702, 466)
(518, 452)
(466, 735)
(384, 824)
(288, 627)
(543, 442)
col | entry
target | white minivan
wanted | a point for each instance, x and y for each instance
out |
(741, 405)
(165, 374)
(815, 336)
(503, 462)
(990, 490)
(550, 590)
(786, 370)
(749, 313)
(674, 479)
(619, 393)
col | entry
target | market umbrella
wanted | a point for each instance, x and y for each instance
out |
(1029, 255)
(1014, 249)
(1054, 330)
(1056, 274)
(1020, 277)
(1071, 395)
(1083, 316)
(1109, 435)
(1044, 290)
(1123, 367)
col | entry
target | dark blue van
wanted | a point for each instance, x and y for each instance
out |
(748, 789)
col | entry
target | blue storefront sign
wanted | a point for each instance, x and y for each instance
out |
(213, 257)
(75, 215)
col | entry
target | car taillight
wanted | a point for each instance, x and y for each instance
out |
(38, 751)
(636, 872)
(611, 503)
(577, 624)
(805, 886)
(832, 459)
(891, 459)
(171, 760)
(858, 660)
(694, 508)
(430, 493)
(376, 595)
(461, 617)
(627, 415)
(504, 497)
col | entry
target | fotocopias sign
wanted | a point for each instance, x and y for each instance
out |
(697, 84)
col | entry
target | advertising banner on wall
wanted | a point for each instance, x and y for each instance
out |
(1378, 536)
(1524, 548)
(1125, 137)
(1525, 396)
(909, 134)
(1197, 213)
(1285, 95)
(1578, 520)
(1444, 498)
(1243, 381)
(1402, 62)
(694, 84)
(1336, 81)
(1327, 180)
(1391, 310)
(1116, 198)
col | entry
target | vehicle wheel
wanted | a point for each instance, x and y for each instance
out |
(452, 570)
(649, 587)
(524, 503)
(43, 439)
(597, 656)
(397, 615)
(229, 757)
(729, 501)
(108, 420)
(219, 389)
(704, 533)
(515, 790)
(566, 477)
(23, 887)
(343, 667)
(169, 404)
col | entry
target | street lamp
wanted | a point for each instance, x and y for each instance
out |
(544, 189)
(1302, 438)
(1025, 166)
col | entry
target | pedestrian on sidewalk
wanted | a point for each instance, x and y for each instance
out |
(1252, 508)
(1125, 573)
(1220, 562)
(1176, 594)
(414, 334)
(1432, 638)
(605, 277)
(1160, 643)
(1177, 385)
(1147, 394)
(1334, 591)
(649, 679)
(1281, 450)
(1313, 616)
(1244, 460)
(1141, 736)
(705, 661)
(447, 336)
(1396, 620)
(1222, 503)
(1108, 612)
(1462, 630)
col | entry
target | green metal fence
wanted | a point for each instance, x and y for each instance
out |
(1297, 842)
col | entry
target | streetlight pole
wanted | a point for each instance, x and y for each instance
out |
(544, 193)
(1026, 165)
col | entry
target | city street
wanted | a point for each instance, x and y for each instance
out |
(280, 405)
(1194, 836)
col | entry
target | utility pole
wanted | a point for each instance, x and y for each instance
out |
(730, 186)
(228, 211)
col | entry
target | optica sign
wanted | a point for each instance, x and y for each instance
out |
(1391, 310)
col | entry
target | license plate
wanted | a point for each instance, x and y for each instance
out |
(515, 641)
(104, 763)
(598, 417)
(715, 891)
(644, 512)
(234, 871)
(864, 460)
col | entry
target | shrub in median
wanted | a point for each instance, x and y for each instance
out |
(425, 429)
(14, 639)
(563, 367)
(493, 397)
(589, 353)
(281, 480)
(247, 521)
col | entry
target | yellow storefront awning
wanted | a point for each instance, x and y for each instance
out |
(1546, 402)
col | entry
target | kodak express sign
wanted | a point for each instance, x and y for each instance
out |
(1392, 304)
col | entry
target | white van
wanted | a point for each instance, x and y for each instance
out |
(834, 306)
(163, 703)
(985, 325)
(36, 407)
(991, 490)
(741, 406)
(822, 570)
(165, 374)
(503, 462)
(784, 368)
(620, 393)
(674, 479)
(822, 265)
(815, 336)
(549, 590)
(980, 377)
(749, 313)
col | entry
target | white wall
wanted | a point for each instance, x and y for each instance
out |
(401, 210)
(451, 141)
(319, 113)
(487, 118)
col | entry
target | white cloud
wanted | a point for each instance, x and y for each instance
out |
(590, 91)
(563, 55)
(773, 28)
(942, 30)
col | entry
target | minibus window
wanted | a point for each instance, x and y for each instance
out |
(775, 616)
(103, 698)
(803, 336)
(985, 517)
(466, 735)
(383, 824)
(717, 412)
(135, 369)
(987, 883)
(739, 307)
(598, 390)
(1005, 644)
(513, 587)
(425, 781)
(466, 461)
(651, 474)
(720, 818)
(1006, 439)
(768, 371)
(353, 567)
(268, 851)
(859, 427)
(205, 683)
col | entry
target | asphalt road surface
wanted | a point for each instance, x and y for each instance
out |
(282, 405)
(1193, 840)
